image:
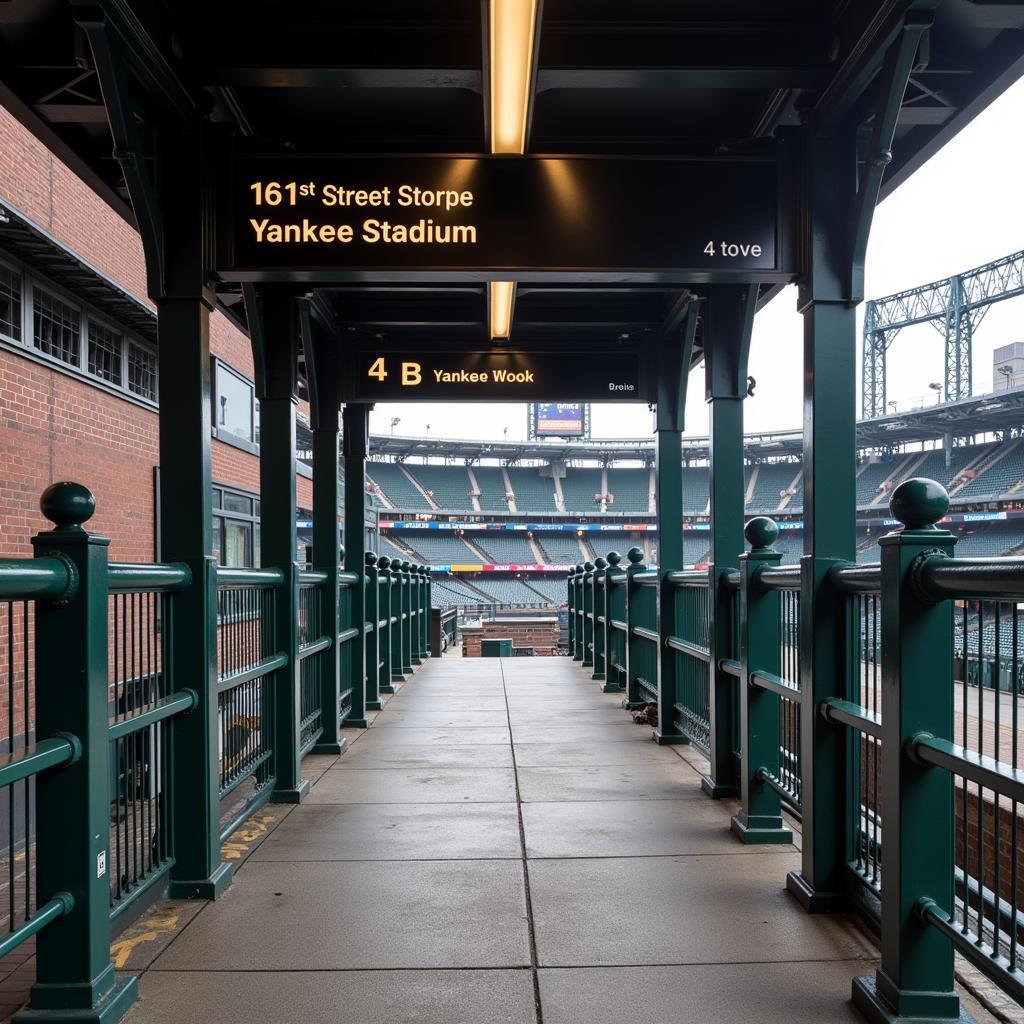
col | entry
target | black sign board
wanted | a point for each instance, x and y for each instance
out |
(494, 375)
(323, 218)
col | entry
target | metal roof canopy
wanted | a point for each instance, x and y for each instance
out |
(656, 78)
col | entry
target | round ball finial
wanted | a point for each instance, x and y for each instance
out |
(919, 503)
(383, 562)
(370, 558)
(614, 558)
(579, 567)
(406, 566)
(761, 532)
(635, 555)
(67, 505)
(600, 563)
(588, 566)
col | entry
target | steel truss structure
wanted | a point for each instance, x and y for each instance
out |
(954, 306)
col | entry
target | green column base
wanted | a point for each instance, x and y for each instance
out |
(717, 790)
(761, 831)
(812, 900)
(357, 723)
(386, 688)
(416, 661)
(633, 705)
(396, 677)
(112, 1007)
(597, 674)
(613, 688)
(375, 705)
(666, 739)
(919, 1007)
(203, 888)
(587, 664)
(334, 747)
(295, 795)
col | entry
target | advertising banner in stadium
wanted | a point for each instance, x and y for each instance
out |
(530, 527)
(484, 567)
(567, 218)
(558, 419)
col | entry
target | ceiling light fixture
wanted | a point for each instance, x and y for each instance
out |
(500, 298)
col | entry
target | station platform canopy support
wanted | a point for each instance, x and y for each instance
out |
(508, 201)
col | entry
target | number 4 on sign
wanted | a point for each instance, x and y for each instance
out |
(377, 369)
(710, 249)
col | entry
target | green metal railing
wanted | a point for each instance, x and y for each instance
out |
(93, 717)
(932, 671)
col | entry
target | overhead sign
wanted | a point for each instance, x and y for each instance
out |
(493, 375)
(295, 217)
(558, 419)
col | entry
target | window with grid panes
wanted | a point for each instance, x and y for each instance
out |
(55, 327)
(141, 371)
(104, 352)
(10, 303)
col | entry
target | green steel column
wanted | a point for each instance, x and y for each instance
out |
(355, 424)
(407, 627)
(588, 615)
(75, 980)
(414, 616)
(600, 601)
(760, 821)
(424, 574)
(729, 321)
(634, 659)
(186, 515)
(384, 606)
(830, 454)
(577, 586)
(915, 980)
(374, 701)
(395, 598)
(274, 323)
(570, 592)
(615, 608)
(322, 366)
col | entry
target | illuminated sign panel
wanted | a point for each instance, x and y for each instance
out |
(494, 374)
(558, 419)
(327, 217)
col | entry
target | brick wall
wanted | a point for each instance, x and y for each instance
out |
(539, 633)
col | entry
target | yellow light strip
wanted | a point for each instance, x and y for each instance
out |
(512, 26)
(501, 293)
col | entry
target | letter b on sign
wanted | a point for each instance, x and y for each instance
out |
(411, 374)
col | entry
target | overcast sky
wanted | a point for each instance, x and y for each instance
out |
(963, 208)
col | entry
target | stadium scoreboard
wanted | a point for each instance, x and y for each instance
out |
(558, 419)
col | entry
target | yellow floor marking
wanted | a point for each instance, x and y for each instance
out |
(162, 921)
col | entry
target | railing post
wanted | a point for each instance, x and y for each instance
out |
(915, 979)
(428, 602)
(588, 613)
(355, 421)
(384, 610)
(570, 605)
(395, 621)
(760, 821)
(600, 602)
(422, 614)
(374, 702)
(633, 661)
(290, 787)
(614, 608)
(407, 619)
(413, 602)
(75, 980)
(577, 604)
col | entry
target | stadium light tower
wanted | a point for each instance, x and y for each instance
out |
(937, 388)
(512, 32)
(395, 420)
(1007, 372)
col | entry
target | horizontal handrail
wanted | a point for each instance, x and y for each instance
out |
(857, 578)
(619, 625)
(61, 904)
(645, 579)
(731, 579)
(176, 704)
(645, 634)
(677, 643)
(249, 577)
(845, 712)
(314, 647)
(261, 668)
(51, 753)
(22, 579)
(774, 684)
(348, 634)
(127, 577)
(776, 784)
(346, 578)
(986, 772)
(779, 577)
(616, 579)
(687, 578)
(312, 577)
(731, 667)
(999, 578)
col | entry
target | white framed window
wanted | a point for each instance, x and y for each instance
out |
(235, 409)
(104, 352)
(56, 327)
(10, 302)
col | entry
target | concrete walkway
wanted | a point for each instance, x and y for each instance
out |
(504, 845)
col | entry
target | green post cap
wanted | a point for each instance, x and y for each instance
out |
(588, 566)
(383, 562)
(579, 567)
(635, 555)
(370, 558)
(406, 566)
(919, 503)
(614, 558)
(761, 532)
(600, 563)
(67, 505)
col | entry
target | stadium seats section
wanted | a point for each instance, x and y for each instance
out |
(449, 486)
(631, 489)
(534, 493)
(397, 487)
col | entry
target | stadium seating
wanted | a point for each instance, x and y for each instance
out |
(490, 481)
(437, 548)
(449, 486)
(507, 590)
(578, 489)
(984, 543)
(388, 476)
(534, 493)
(446, 591)
(1000, 478)
(695, 490)
(870, 478)
(552, 588)
(630, 489)
(560, 549)
(505, 548)
(385, 547)
(772, 478)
